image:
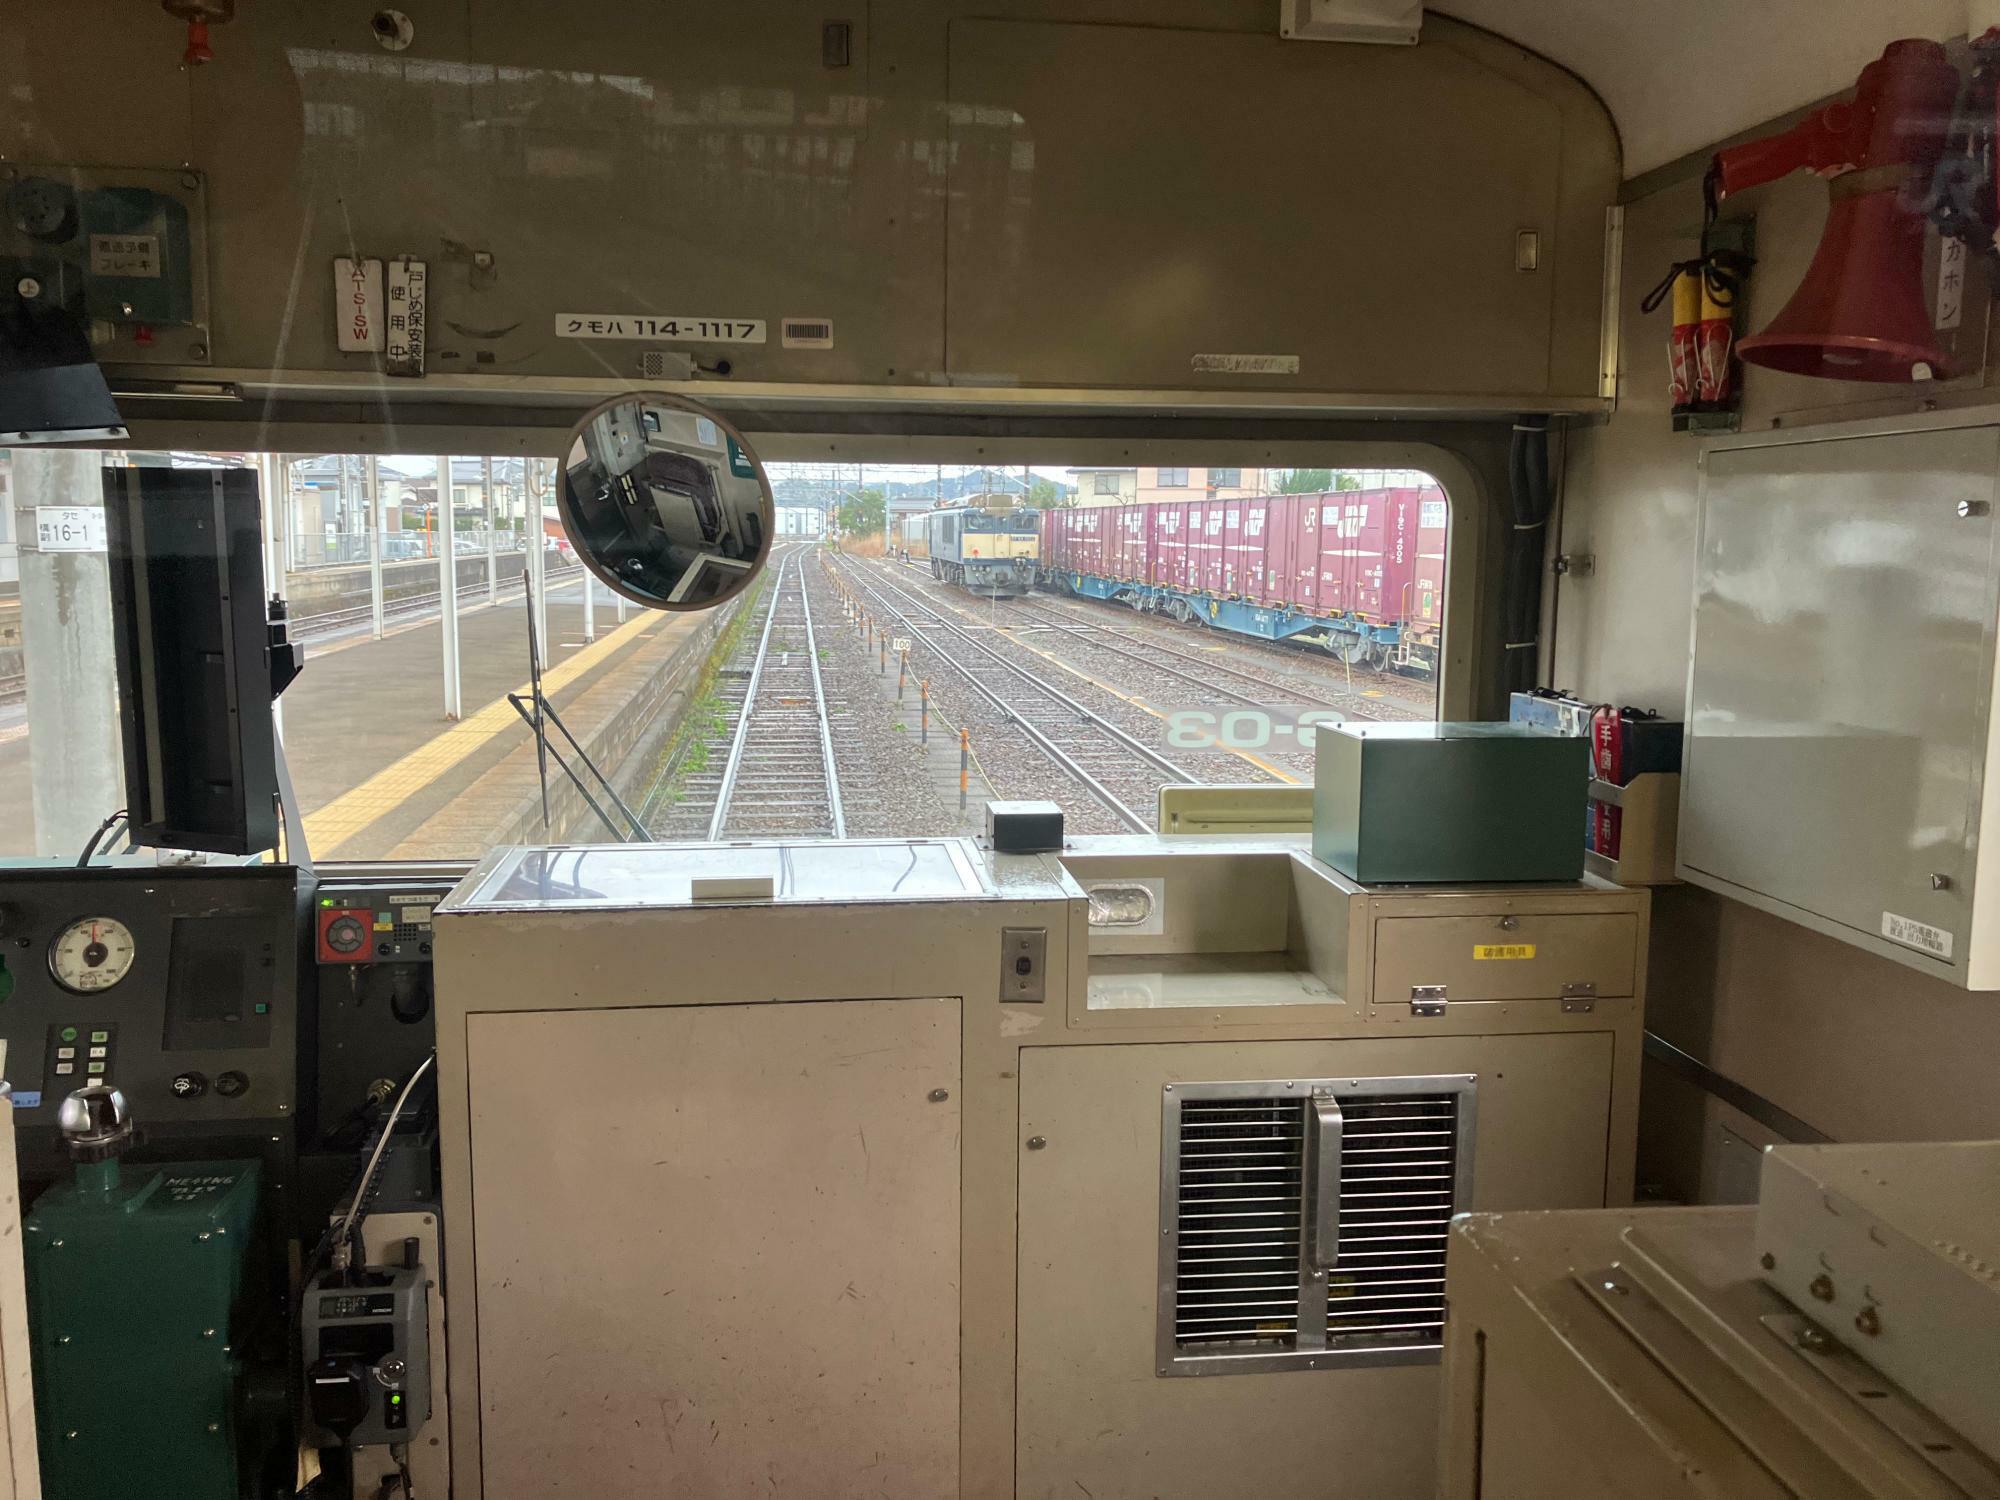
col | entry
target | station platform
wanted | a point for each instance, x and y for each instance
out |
(382, 773)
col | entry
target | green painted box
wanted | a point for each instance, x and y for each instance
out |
(136, 1294)
(1396, 804)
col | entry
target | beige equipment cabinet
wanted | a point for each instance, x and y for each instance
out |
(1719, 1351)
(803, 1188)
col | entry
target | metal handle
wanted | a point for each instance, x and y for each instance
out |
(1323, 1122)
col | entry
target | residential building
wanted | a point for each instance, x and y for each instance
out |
(1201, 484)
(1105, 485)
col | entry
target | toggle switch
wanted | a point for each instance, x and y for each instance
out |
(1024, 959)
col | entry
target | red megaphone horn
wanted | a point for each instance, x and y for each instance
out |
(1860, 312)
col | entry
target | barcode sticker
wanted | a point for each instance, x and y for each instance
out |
(1914, 934)
(806, 333)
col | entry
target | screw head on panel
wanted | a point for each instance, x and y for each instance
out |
(1821, 1287)
(938, 1096)
(1036, 1142)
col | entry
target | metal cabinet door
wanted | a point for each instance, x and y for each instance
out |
(1839, 693)
(718, 1250)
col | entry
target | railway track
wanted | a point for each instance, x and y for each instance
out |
(762, 764)
(1108, 761)
(1371, 694)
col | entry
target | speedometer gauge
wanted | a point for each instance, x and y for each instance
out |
(92, 953)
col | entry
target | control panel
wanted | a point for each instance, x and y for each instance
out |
(180, 987)
(372, 940)
(366, 1342)
(367, 922)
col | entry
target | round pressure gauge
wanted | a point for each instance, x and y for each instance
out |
(92, 953)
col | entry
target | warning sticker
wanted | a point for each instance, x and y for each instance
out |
(1914, 934)
(1245, 364)
(1503, 950)
(125, 255)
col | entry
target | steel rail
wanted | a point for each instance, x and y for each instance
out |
(727, 788)
(1130, 741)
(819, 703)
(1064, 761)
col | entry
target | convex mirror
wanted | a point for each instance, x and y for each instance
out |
(665, 501)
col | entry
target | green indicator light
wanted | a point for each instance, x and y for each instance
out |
(69, 1033)
(326, 901)
(395, 1399)
(263, 1007)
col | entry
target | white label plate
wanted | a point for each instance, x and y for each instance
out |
(357, 305)
(125, 255)
(1918, 935)
(408, 309)
(1245, 364)
(677, 327)
(69, 528)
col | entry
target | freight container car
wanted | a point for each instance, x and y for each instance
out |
(990, 550)
(913, 537)
(1359, 573)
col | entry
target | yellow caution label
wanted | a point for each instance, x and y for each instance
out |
(1503, 950)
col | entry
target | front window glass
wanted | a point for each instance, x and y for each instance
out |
(946, 634)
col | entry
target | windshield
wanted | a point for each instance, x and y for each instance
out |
(923, 640)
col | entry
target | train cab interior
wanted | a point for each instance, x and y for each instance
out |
(1068, 749)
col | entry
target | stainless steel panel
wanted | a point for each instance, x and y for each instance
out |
(717, 1249)
(1842, 665)
(1090, 1408)
(1115, 186)
(705, 161)
(1513, 956)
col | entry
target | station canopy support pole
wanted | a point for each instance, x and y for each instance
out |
(447, 535)
(492, 563)
(375, 544)
(535, 538)
(68, 666)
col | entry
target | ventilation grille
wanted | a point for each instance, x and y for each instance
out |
(665, 364)
(1398, 1166)
(1241, 1202)
(1245, 1166)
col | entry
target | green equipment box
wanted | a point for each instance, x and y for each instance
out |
(1398, 804)
(136, 1282)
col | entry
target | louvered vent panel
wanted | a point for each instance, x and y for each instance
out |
(1236, 1277)
(1398, 1164)
(1242, 1222)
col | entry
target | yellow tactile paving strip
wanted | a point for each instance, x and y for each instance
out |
(353, 810)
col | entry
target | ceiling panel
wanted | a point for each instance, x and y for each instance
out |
(1679, 75)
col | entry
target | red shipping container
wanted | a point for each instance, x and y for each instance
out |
(1209, 549)
(1257, 550)
(1433, 519)
(1159, 545)
(1134, 534)
(1233, 541)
